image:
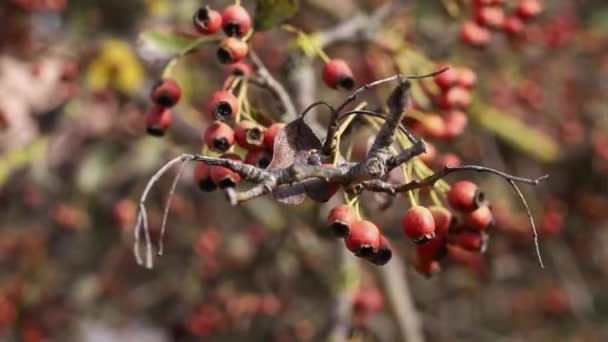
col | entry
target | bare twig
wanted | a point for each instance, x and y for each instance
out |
(168, 206)
(534, 233)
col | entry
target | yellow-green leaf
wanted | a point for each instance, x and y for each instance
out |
(270, 13)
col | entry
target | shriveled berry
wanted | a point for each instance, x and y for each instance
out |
(271, 133)
(219, 137)
(384, 253)
(473, 34)
(158, 120)
(223, 105)
(418, 224)
(465, 196)
(363, 238)
(340, 219)
(259, 157)
(443, 220)
(202, 177)
(236, 21)
(166, 93)
(207, 20)
(232, 50)
(527, 9)
(223, 177)
(249, 135)
(337, 74)
(447, 78)
(479, 219)
(239, 69)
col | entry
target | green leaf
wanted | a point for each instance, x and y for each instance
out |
(270, 13)
(169, 42)
(515, 132)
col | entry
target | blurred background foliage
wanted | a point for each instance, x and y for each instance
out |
(74, 158)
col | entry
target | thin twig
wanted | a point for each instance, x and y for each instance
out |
(168, 206)
(534, 233)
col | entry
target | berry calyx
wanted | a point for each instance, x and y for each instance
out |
(418, 224)
(207, 20)
(219, 137)
(236, 21)
(340, 220)
(232, 50)
(223, 105)
(223, 177)
(158, 120)
(271, 133)
(166, 93)
(337, 74)
(249, 135)
(465, 196)
(202, 177)
(384, 253)
(363, 239)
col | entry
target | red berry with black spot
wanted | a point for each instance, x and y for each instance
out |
(249, 135)
(202, 177)
(239, 69)
(363, 239)
(236, 21)
(223, 105)
(219, 137)
(158, 120)
(232, 50)
(166, 93)
(443, 219)
(340, 220)
(432, 250)
(479, 219)
(337, 74)
(418, 224)
(527, 9)
(384, 253)
(223, 177)
(271, 133)
(447, 78)
(258, 157)
(207, 20)
(465, 196)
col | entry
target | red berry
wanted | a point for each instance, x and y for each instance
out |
(527, 9)
(239, 69)
(332, 187)
(443, 220)
(260, 158)
(223, 177)
(465, 196)
(158, 120)
(363, 238)
(471, 241)
(223, 105)
(236, 21)
(432, 250)
(457, 97)
(337, 74)
(433, 126)
(447, 78)
(479, 3)
(202, 177)
(166, 93)
(219, 137)
(466, 77)
(479, 219)
(490, 16)
(340, 220)
(513, 25)
(455, 123)
(271, 133)
(429, 156)
(232, 50)
(418, 224)
(368, 300)
(249, 135)
(207, 20)
(428, 268)
(448, 160)
(384, 253)
(473, 34)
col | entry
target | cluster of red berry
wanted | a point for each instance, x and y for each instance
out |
(42, 5)
(490, 15)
